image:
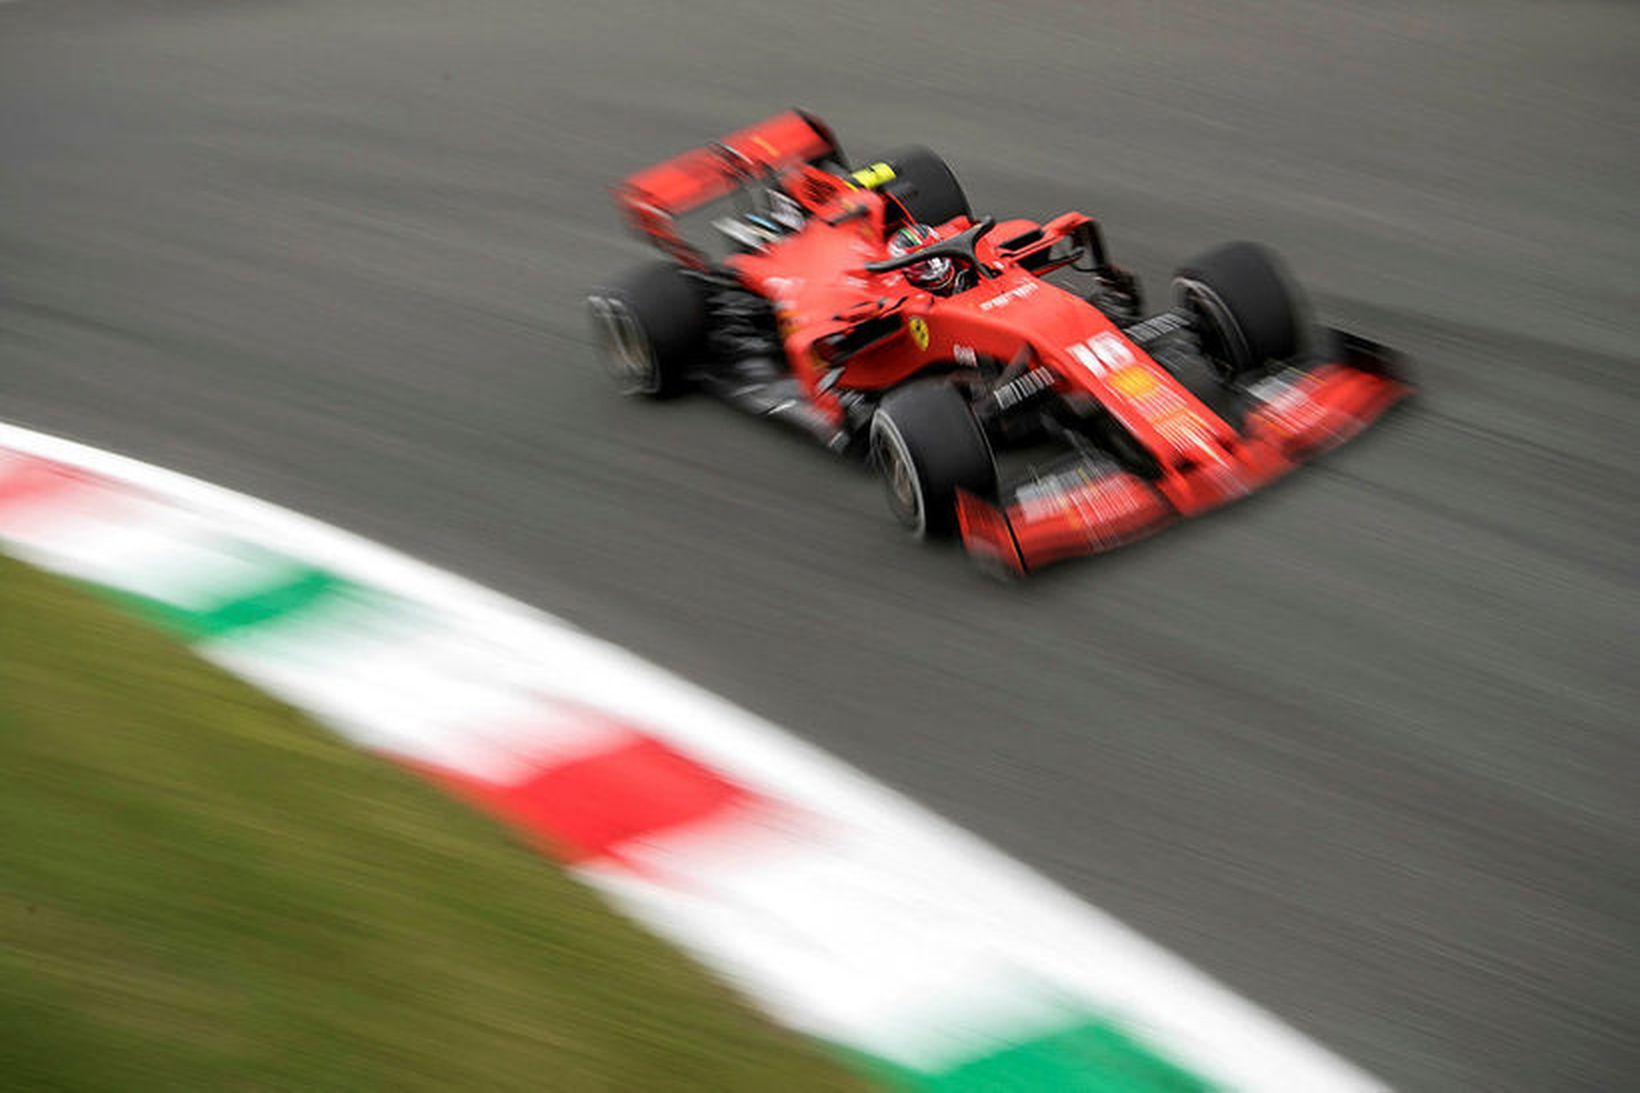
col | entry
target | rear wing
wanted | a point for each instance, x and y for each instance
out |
(652, 199)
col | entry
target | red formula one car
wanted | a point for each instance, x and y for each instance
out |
(1000, 375)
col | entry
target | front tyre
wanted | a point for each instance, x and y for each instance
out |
(927, 445)
(650, 325)
(1245, 308)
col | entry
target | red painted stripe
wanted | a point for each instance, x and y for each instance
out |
(27, 480)
(589, 807)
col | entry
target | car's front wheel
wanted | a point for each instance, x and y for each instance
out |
(1245, 309)
(927, 445)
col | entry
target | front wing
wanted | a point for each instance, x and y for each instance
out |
(1088, 504)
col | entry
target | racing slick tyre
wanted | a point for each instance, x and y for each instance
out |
(925, 186)
(927, 445)
(1245, 310)
(651, 328)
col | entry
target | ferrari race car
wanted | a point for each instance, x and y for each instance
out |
(1002, 376)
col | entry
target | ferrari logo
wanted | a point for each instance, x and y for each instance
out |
(919, 332)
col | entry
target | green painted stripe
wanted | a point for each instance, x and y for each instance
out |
(290, 589)
(1093, 1056)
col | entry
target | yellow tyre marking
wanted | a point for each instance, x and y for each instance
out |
(870, 178)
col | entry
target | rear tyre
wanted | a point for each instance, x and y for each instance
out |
(651, 329)
(926, 187)
(1246, 310)
(927, 445)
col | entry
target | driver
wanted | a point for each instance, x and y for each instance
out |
(938, 275)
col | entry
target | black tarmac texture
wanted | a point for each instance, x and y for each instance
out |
(1364, 747)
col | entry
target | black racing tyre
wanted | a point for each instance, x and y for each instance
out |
(651, 328)
(925, 186)
(927, 445)
(1246, 310)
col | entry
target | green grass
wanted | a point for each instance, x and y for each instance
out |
(199, 888)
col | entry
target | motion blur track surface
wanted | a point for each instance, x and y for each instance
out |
(1363, 748)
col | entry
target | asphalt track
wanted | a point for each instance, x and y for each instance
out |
(1363, 747)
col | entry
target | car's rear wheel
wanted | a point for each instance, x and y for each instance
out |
(651, 328)
(1246, 311)
(926, 186)
(927, 445)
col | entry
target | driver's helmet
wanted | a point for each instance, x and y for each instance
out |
(934, 275)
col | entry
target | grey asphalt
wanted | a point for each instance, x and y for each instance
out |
(1363, 747)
